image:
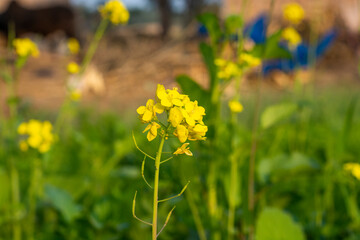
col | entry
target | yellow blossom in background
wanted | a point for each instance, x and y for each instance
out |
(292, 36)
(39, 135)
(152, 130)
(353, 168)
(249, 59)
(24, 47)
(235, 106)
(75, 95)
(294, 13)
(115, 11)
(73, 68)
(184, 149)
(227, 69)
(73, 45)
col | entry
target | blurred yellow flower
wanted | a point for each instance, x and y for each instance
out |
(75, 95)
(175, 116)
(292, 36)
(235, 106)
(184, 149)
(73, 45)
(73, 68)
(115, 11)
(227, 69)
(40, 135)
(24, 47)
(353, 168)
(294, 13)
(249, 59)
(152, 130)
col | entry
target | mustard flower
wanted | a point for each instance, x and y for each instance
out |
(73, 68)
(39, 134)
(294, 13)
(197, 132)
(168, 98)
(353, 168)
(227, 69)
(235, 106)
(291, 36)
(24, 47)
(184, 149)
(182, 133)
(175, 116)
(249, 59)
(148, 112)
(115, 11)
(152, 130)
(73, 45)
(184, 117)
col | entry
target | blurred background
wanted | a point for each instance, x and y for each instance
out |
(161, 41)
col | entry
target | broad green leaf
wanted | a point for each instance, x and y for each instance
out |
(63, 202)
(211, 22)
(283, 165)
(233, 24)
(273, 49)
(209, 60)
(194, 90)
(276, 113)
(275, 224)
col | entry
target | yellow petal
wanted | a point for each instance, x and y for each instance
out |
(141, 110)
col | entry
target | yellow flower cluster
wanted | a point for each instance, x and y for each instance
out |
(249, 59)
(24, 47)
(294, 13)
(353, 168)
(115, 11)
(291, 36)
(40, 135)
(73, 68)
(235, 106)
(227, 69)
(184, 117)
(73, 46)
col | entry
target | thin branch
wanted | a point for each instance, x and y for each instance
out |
(140, 149)
(142, 172)
(178, 195)
(166, 160)
(166, 221)
(133, 212)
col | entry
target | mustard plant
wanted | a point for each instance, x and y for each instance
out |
(35, 136)
(183, 120)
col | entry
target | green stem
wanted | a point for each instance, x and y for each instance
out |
(156, 188)
(93, 45)
(232, 197)
(15, 200)
(197, 219)
(33, 191)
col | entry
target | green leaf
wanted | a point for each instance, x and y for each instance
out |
(233, 24)
(5, 187)
(276, 113)
(209, 60)
(63, 202)
(275, 224)
(283, 165)
(211, 22)
(194, 90)
(273, 49)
